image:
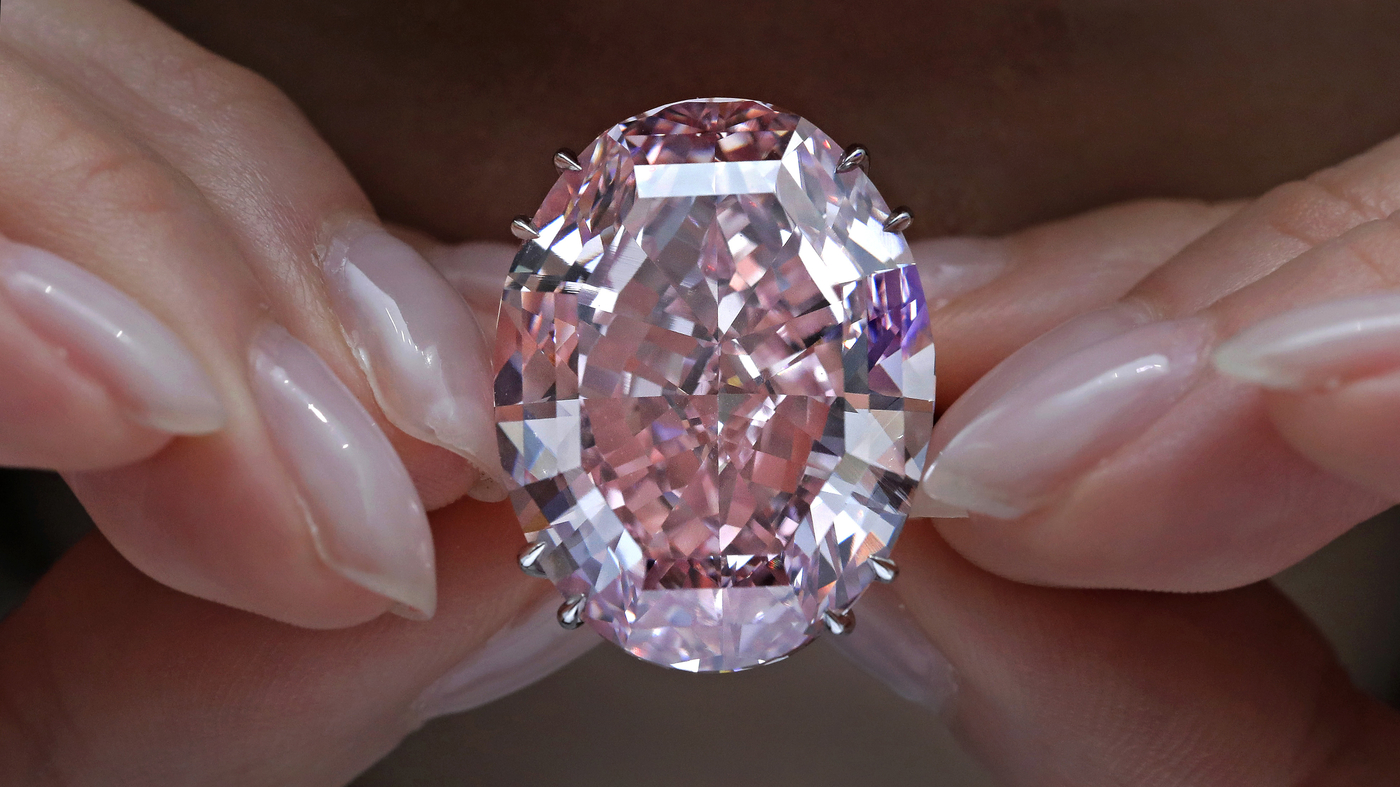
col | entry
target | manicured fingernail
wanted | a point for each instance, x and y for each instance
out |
(366, 519)
(523, 652)
(1056, 422)
(417, 342)
(488, 489)
(1318, 346)
(108, 336)
(476, 271)
(951, 267)
(890, 645)
(1035, 357)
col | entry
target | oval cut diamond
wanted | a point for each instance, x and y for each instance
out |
(714, 383)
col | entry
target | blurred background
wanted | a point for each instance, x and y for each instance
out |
(831, 723)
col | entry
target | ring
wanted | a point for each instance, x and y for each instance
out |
(714, 384)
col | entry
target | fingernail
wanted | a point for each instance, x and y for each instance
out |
(1061, 418)
(487, 489)
(530, 648)
(890, 645)
(476, 271)
(1034, 358)
(417, 342)
(365, 517)
(1318, 346)
(108, 336)
(952, 267)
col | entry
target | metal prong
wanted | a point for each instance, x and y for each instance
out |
(566, 160)
(884, 569)
(854, 156)
(530, 558)
(571, 611)
(524, 228)
(839, 623)
(899, 220)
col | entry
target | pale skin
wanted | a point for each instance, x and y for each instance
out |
(108, 670)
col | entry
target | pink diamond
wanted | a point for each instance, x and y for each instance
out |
(714, 383)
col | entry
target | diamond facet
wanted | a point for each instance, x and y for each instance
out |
(714, 383)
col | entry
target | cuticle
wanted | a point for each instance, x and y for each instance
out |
(341, 229)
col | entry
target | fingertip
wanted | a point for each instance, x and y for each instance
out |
(1329, 376)
(365, 518)
(109, 336)
(1350, 431)
(1058, 416)
(1049, 680)
(477, 272)
(926, 505)
(414, 338)
(298, 510)
(528, 648)
(1238, 361)
(93, 378)
(55, 419)
(416, 614)
(200, 413)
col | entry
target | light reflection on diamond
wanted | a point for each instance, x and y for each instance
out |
(714, 383)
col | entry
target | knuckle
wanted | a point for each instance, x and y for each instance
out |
(1369, 201)
(117, 177)
(68, 161)
(1313, 214)
(1344, 227)
(1375, 248)
(1324, 206)
(229, 91)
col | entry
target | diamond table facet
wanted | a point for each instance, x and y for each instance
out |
(714, 383)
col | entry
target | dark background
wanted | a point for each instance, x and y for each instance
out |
(982, 115)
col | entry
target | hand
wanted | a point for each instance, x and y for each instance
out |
(200, 325)
(1139, 447)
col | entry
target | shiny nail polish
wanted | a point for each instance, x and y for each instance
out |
(108, 336)
(416, 341)
(1035, 357)
(474, 271)
(1317, 346)
(366, 520)
(1007, 457)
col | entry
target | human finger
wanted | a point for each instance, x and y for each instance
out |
(987, 296)
(990, 296)
(224, 516)
(299, 508)
(95, 380)
(295, 214)
(1124, 460)
(102, 666)
(1055, 686)
(1328, 371)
